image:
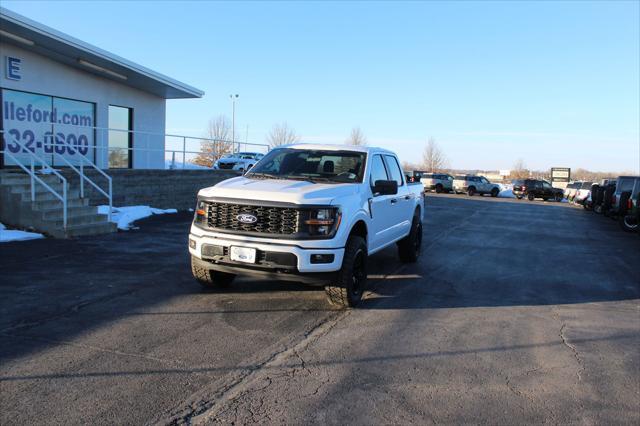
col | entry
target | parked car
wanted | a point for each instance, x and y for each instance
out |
(535, 188)
(307, 213)
(594, 195)
(439, 182)
(624, 187)
(240, 161)
(571, 190)
(472, 185)
(629, 216)
(583, 193)
(607, 197)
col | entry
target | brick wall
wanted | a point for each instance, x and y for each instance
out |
(163, 189)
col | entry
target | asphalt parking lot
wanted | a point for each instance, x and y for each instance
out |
(517, 312)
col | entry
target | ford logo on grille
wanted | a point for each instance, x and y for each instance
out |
(246, 218)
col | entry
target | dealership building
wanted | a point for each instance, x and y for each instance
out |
(61, 97)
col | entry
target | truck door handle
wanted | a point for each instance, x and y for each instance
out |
(393, 201)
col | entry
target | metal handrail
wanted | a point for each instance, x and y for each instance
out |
(84, 177)
(31, 172)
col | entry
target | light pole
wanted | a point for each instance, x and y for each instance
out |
(233, 121)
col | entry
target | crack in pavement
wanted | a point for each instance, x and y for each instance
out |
(576, 355)
(207, 407)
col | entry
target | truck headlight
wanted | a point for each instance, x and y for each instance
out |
(200, 216)
(323, 221)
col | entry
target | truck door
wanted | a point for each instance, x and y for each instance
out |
(484, 184)
(404, 202)
(546, 187)
(382, 207)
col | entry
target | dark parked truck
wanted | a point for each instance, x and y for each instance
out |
(535, 188)
(308, 213)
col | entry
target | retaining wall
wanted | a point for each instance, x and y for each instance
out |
(164, 189)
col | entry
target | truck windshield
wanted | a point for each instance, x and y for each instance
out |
(311, 165)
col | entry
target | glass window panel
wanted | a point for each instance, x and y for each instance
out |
(27, 122)
(119, 137)
(378, 171)
(73, 129)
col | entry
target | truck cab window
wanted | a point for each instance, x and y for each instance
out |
(394, 169)
(378, 170)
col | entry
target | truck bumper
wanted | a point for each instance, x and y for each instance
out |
(280, 259)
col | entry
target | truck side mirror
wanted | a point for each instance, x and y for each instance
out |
(385, 187)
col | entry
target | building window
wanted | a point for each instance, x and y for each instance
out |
(59, 131)
(120, 137)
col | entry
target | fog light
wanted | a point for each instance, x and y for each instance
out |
(192, 243)
(322, 258)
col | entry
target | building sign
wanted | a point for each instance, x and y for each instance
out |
(53, 128)
(560, 174)
(13, 68)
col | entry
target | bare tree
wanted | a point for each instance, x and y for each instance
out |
(282, 134)
(433, 158)
(407, 166)
(218, 143)
(519, 170)
(356, 137)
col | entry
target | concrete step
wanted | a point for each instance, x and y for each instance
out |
(55, 214)
(56, 204)
(85, 219)
(46, 214)
(26, 186)
(16, 179)
(85, 230)
(45, 195)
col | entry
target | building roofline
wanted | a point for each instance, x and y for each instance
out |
(92, 51)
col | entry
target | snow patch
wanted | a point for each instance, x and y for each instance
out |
(125, 216)
(506, 191)
(7, 235)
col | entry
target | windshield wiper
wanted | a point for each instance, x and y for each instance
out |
(263, 175)
(304, 178)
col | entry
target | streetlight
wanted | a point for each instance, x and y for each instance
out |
(233, 120)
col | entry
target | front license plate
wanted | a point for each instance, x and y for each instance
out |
(243, 254)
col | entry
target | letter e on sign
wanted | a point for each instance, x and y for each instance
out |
(14, 68)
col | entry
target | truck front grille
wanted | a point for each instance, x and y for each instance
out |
(270, 220)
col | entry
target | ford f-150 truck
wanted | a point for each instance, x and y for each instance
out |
(307, 213)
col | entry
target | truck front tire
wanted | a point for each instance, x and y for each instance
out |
(351, 279)
(210, 279)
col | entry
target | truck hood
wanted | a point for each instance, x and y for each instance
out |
(287, 191)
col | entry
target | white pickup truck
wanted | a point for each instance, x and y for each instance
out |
(307, 213)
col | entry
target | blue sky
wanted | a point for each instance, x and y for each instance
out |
(553, 83)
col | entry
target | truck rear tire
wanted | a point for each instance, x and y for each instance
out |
(351, 279)
(495, 192)
(210, 279)
(409, 247)
(438, 189)
(531, 197)
(471, 191)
